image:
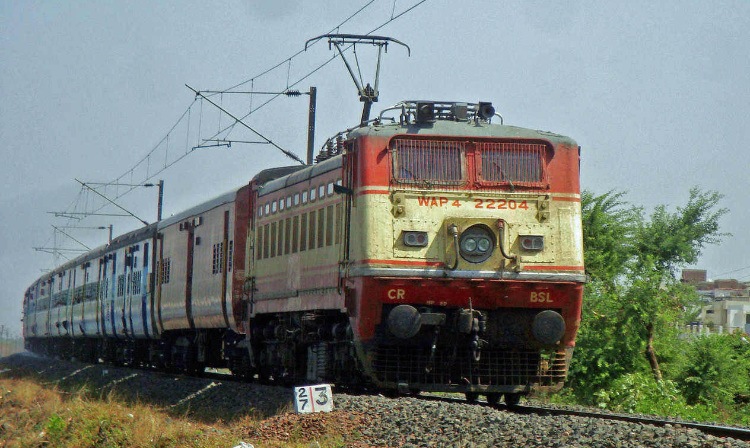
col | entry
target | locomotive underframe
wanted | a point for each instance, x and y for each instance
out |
(496, 354)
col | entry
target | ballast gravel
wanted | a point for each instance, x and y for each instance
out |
(406, 422)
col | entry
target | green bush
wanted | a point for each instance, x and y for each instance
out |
(640, 393)
(715, 369)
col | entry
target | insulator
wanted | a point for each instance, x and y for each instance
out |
(339, 144)
(329, 147)
(292, 93)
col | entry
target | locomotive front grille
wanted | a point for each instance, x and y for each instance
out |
(496, 367)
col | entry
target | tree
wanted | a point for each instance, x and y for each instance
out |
(662, 244)
(633, 296)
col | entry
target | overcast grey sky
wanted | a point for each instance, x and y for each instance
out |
(656, 93)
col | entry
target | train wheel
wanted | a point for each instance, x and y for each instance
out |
(493, 398)
(471, 397)
(512, 400)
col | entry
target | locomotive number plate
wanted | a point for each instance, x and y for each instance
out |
(490, 204)
(318, 398)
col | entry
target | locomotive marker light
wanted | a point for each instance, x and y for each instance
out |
(532, 242)
(415, 239)
(548, 327)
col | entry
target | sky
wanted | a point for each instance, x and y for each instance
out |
(656, 93)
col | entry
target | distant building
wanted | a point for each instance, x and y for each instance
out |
(726, 302)
(727, 315)
(693, 276)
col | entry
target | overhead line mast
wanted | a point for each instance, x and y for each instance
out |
(289, 154)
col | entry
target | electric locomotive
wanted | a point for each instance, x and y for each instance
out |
(466, 267)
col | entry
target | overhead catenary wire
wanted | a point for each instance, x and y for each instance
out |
(187, 114)
(166, 137)
(733, 271)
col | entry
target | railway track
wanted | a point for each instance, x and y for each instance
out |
(742, 434)
(714, 430)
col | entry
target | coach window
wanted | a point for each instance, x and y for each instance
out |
(321, 229)
(289, 201)
(312, 194)
(259, 244)
(273, 240)
(304, 197)
(321, 191)
(267, 209)
(281, 204)
(311, 231)
(330, 189)
(329, 225)
(273, 207)
(296, 199)
(265, 241)
(260, 211)
(295, 233)
(303, 233)
(287, 235)
(279, 241)
(230, 256)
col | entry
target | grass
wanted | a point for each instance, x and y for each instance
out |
(32, 415)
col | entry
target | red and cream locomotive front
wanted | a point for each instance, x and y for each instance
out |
(466, 265)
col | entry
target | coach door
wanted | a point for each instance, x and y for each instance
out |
(189, 228)
(101, 291)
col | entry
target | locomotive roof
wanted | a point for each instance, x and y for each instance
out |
(302, 174)
(459, 129)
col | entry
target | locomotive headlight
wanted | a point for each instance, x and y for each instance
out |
(484, 244)
(476, 243)
(415, 239)
(469, 245)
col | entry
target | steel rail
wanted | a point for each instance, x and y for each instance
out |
(707, 428)
(714, 430)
